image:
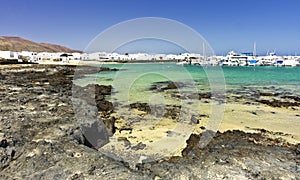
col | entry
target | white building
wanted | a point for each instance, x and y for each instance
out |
(98, 56)
(29, 56)
(76, 56)
(174, 57)
(84, 56)
(139, 56)
(8, 55)
(47, 56)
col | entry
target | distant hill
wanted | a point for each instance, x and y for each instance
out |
(10, 43)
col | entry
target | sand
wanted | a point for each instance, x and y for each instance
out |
(166, 137)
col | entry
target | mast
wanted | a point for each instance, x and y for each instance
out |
(254, 49)
(203, 52)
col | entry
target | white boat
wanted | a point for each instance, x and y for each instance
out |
(290, 61)
(271, 59)
(191, 60)
(182, 63)
(235, 59)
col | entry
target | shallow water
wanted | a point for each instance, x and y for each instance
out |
(139, 76)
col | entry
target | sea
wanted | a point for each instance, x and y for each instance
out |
(139, 77)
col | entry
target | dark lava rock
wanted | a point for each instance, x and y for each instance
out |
(295, 98)
(172, 111)
(102, 90)
(125, 128)
(171, 85)
(3, 143)
(207, 95)
(298, 150)
(141, 107)
(229, 155)
(42, 139)
(104, 106)
(139, 146)
(110, 125)
(267, 94)
(278, 103)
(125, 140)
(195, 119)
(163, 86)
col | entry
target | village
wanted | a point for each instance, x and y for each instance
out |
(231, 59)
(37, 57)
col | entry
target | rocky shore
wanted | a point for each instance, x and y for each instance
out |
(40, 137)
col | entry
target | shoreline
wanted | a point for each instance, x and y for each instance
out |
(98, 62)
(38, 124)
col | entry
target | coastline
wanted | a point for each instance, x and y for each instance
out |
(46, 133)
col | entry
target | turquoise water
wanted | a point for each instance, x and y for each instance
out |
(132, 82)
(259, 76)
(262, 75)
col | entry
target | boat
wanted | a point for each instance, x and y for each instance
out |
(182, 63)
(291, 61)
(192, 59)
(243, 59)
(268, 60)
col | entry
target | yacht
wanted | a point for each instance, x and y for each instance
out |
(291, 61)
(270, 59)
(235, 59)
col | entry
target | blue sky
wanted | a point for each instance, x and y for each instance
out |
(225, 24)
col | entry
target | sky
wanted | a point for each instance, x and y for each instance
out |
(225, 24)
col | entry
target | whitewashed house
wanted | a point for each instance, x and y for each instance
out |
(76, 56)
(85, 56)
(8, 55)
(160, 57)
(29, 56)
(172, 57)
(113, 56)
(98, 56)
(92, 56)
(125, 57)
(138, 56)
(46, 56)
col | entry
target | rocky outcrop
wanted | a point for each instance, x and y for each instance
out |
(230, 155)
(270, 96)
(40, 137)
(168, 85)
(278, 103)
